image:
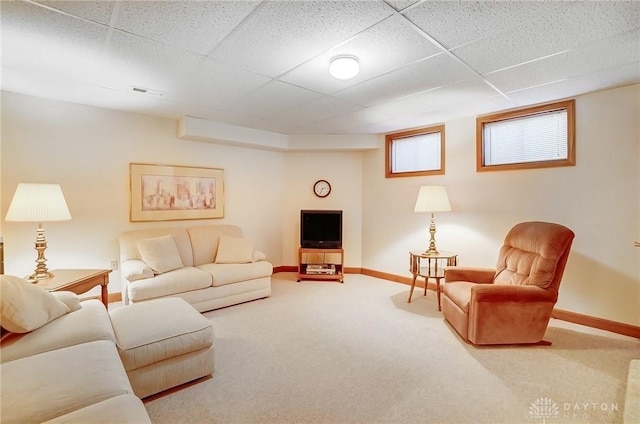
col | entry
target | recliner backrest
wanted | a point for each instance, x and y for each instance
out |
(534, 253)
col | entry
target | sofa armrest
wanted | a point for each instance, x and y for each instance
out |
(471, 274)
(258, 256)
(135, 269)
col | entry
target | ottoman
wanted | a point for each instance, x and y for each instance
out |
(162, 343)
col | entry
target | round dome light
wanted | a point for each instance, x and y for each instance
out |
(344, 67)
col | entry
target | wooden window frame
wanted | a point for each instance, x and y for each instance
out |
(568, 105)
(390, 138)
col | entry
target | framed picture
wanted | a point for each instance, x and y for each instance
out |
(169, 192)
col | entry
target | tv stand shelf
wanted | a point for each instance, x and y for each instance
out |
(302, 265)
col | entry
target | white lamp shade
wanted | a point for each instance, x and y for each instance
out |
(432, 199)
(38, 203)
(344, 67)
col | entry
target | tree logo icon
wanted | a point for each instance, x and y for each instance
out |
(543, 408)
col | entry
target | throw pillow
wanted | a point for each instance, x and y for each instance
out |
(25, 307)
(234, 250)
(160, 253)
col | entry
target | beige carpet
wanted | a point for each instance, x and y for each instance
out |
(324, 352)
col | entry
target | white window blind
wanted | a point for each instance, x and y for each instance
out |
(534, 138)
(416, 153)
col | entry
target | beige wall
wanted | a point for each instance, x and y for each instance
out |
(88, 150)
(343, 170)
(599, 199)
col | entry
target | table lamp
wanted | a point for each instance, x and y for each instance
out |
(432, 199)
(38, 203)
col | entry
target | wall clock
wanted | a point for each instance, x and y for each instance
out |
(322, 188)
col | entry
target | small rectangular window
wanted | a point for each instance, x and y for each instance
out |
(535, 137)
(415, 152)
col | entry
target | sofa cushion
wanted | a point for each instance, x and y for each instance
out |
(153, 331)
(89, 323)
(223, 274)
(25, 306)
(120, 409)
(160, 253)
(234, 250)
(176, 281)
(74, 377)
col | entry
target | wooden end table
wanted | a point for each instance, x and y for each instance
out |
(78, 281)
(427, 266)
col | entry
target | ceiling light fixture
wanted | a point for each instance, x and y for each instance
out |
(344, 67)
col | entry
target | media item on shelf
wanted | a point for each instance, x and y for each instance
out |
(325, 269)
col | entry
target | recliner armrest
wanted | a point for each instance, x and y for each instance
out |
(471, 274)
(511, 293)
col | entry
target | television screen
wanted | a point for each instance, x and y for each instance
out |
(321, 229)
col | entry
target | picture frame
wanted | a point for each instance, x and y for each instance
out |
(174, 192)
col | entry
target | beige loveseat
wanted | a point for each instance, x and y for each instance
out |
(60, 362)
(209, 266)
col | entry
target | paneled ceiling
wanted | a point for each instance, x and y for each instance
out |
(264, 64)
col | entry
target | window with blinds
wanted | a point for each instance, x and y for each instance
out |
(536, 137)
(415, 152)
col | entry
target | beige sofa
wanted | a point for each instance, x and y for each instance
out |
(63, 360)
(209, 266)
(68, 368)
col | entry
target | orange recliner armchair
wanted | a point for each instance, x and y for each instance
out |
(511, 304)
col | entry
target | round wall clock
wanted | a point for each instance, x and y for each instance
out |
(322, 188)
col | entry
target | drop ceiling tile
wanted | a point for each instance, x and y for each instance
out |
(141, 62)
(575, 24)
(349, 123)
(616, 76)
(586, 59)
(282, 34)
(197, 26)
(71, 90)
(33, 30)
(388, 45)
(214, 84)
(456, 95)
(187, 109)
(456, 23)
(400, 4)
(424, 75)
(446, 114)
(97, 11)
(271, 99)
(317, 110)
(35, 38)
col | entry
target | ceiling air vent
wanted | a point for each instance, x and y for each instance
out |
(148, 91)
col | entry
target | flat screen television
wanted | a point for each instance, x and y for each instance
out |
(321, 229)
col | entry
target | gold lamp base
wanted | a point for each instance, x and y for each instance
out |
(41, 271)
(432, 242)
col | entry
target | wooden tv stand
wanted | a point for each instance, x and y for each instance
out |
(302, 265)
